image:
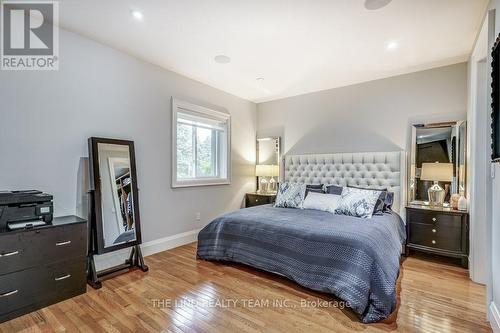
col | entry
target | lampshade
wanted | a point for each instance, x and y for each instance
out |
(441, 172)
(262, 170)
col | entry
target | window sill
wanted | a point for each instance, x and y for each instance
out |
(200, 182)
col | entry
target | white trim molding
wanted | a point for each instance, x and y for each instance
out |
(494, 317)
(170, 242)
(149, 248)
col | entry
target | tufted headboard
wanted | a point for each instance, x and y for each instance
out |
(372, 170)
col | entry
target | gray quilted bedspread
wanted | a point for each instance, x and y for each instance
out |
(355, 259)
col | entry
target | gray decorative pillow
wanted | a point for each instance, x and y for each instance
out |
(290, 195)
(357, 202)
(334, 189)
(389, 200)
(317, 188)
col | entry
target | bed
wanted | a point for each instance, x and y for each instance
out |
(354, 259)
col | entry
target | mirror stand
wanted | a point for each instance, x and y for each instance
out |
(135, 259)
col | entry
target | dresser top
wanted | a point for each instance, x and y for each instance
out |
(267, 194)
(70, 219)
(56, 222)
(437, 209)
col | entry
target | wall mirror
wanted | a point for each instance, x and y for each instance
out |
(268, 160)
(444, 143)
(116, 206)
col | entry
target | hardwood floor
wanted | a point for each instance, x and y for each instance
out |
(433, 297)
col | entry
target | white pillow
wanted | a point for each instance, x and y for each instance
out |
(321, 201)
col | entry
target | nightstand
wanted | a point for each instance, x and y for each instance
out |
(442, 231)
(257, 198)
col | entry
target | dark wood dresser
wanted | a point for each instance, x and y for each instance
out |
(441, 231)
(256, 199)
(42, 266)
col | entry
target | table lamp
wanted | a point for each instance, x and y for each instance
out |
(264, 171)
(437, 172)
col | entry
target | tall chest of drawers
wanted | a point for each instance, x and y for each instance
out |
(438, 231)
(42, 266)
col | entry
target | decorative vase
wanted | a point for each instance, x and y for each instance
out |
(454, 200)
(462, 203)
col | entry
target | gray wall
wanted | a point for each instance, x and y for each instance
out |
(494, 287)
(46, 118)
(371, 116)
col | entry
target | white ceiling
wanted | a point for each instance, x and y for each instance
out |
(297, 46)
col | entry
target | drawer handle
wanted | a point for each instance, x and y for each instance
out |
(10, 293)
(67, 276)
(9, 254)
(256, 200)
(434, 230)
(433, 241)
(434, 219)
(63, 243)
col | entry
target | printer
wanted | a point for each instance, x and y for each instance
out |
(25, 209)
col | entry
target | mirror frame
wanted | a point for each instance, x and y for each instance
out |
(95, 186)
(411, 160)
(277, 143)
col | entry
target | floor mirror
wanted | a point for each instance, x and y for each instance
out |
(114, 212)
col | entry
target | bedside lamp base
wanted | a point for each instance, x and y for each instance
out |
(436, 195)
(263, 185)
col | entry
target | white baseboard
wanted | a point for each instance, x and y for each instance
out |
(169, 242)
(158, 245)
(494, 316)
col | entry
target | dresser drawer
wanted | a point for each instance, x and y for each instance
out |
(256, 200)
(64, 277)
(66, 242)
(448, 238)
(434, 218)
(18, 289)
(22, 250)
(14, 253)
(41, 284)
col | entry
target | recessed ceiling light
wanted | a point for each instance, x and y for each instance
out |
(392, 45)
(376, 4)
(260, 79)
(222, 59)
(137, 15)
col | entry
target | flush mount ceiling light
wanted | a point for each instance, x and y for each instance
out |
(376, 4)
(136, 14)
(222, 59)
(392, 45)
(260, 79)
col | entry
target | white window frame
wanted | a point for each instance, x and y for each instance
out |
(179, 105)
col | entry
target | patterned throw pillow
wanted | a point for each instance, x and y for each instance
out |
(290, 195)
(357, 202)
(380, 205)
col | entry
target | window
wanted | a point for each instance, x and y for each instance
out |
(201, 145)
